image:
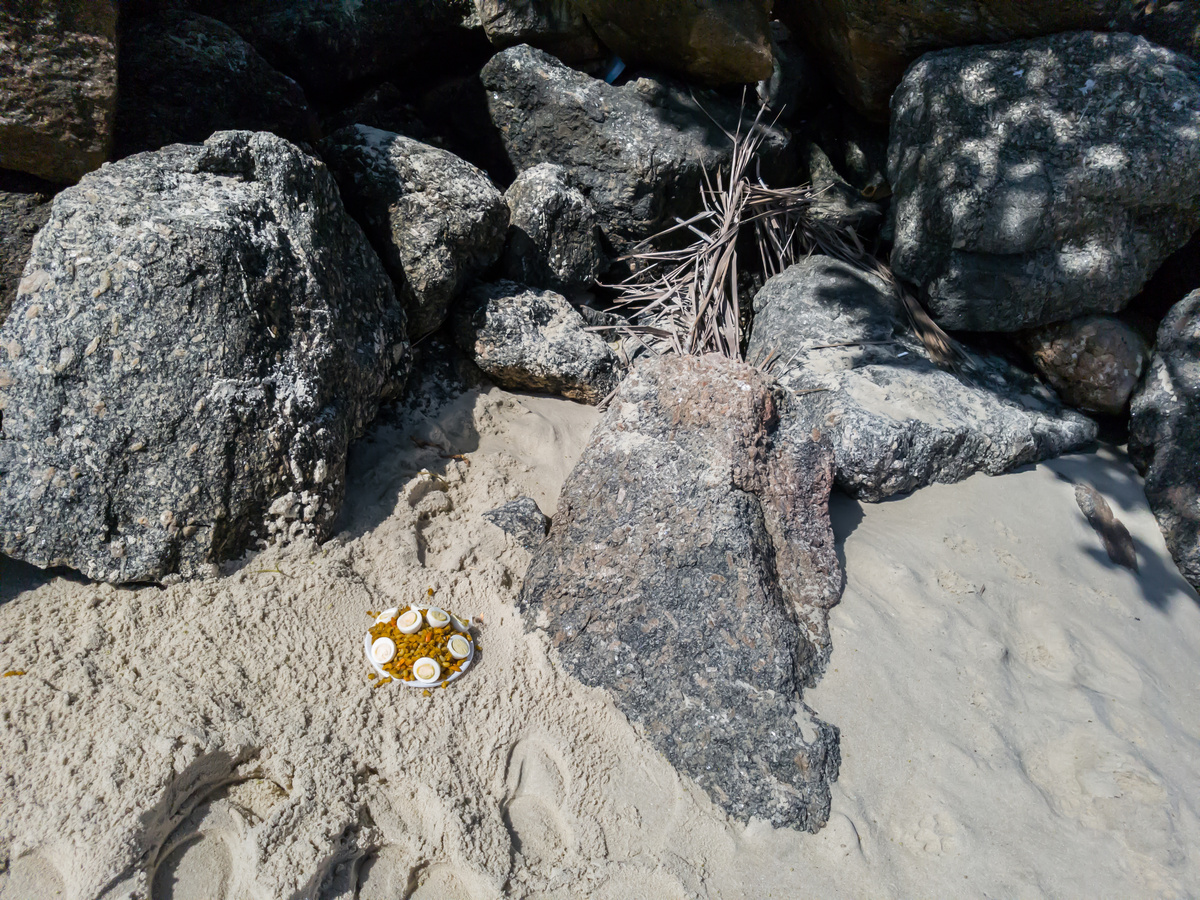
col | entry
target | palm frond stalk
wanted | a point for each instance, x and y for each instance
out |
(687, 300)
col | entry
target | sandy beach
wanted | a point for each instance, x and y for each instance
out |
(1018, 715)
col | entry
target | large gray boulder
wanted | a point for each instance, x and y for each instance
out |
(199, 334)
(637, 151)
(689, 571)
(553, 238)
(436, 220)
(186, 76)
(1164, 434)
(556, 26)
(1093, 362)
(1042, 180)
(58, 86)
(530, 340)
(22, 214)
(866, 45)
(327, 45)
(897, 422)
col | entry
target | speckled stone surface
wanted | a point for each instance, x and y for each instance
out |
(522, 519)
(1042, 180)
(1094, 362)
(536, 341)
(1164, 434)
(636, 151)
(436, 220)
(897, 422)
(556, 26)
(58, 86)
(199, 334)
(553, 237)
(21, 216)
(689, 571)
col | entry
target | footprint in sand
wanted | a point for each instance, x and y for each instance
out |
(30, 876)
(632, 881)
(1092, 776)
(537, 788)
(387, 875)
(391, 874)
(445, 882)
(936, 834)
(198, 860)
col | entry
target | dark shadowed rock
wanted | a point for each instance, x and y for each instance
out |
(185, 76)
(866, 45)
(794, 85)
(637, 152)
(1118, 543)
(553, 239)
(387, 108)
(1164, 434)
(523, 520)
(712, 41)
(1042, 180)
(533, 340)
(689, 571)
(58, 86)
(897, 422)
(1094, 362)
(556, 26)
(199, 334)
(21, 216)
(838, 204)
(329, 44)
(857, 147)
(436, 220)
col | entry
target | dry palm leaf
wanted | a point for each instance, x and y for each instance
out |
(687, 300)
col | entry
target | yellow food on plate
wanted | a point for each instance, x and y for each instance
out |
(436, 648)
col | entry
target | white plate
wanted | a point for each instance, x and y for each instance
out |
(386, 616)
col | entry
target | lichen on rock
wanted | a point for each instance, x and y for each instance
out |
(199, 331)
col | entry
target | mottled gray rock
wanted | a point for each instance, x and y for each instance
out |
(21, 216)
(637, 151)
(897, 421)
(553, 238)
(1118, 542)
(866, 45)
(1164, 434)
(689, 571)
(185, 76)
(523, 520)
(556, 26)
(328, 44)
(712, 41)
(436, 220)
(58, 86)
(1093, 362)
(199, 334)
(1042, 180)
(526, 339)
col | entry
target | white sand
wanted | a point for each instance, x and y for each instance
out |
(1019, 718)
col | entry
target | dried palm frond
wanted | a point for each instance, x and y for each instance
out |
(687, 300)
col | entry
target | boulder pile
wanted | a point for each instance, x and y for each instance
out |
(226, 228)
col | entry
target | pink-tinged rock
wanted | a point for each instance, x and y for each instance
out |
(58, 86)
(1094, 362)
